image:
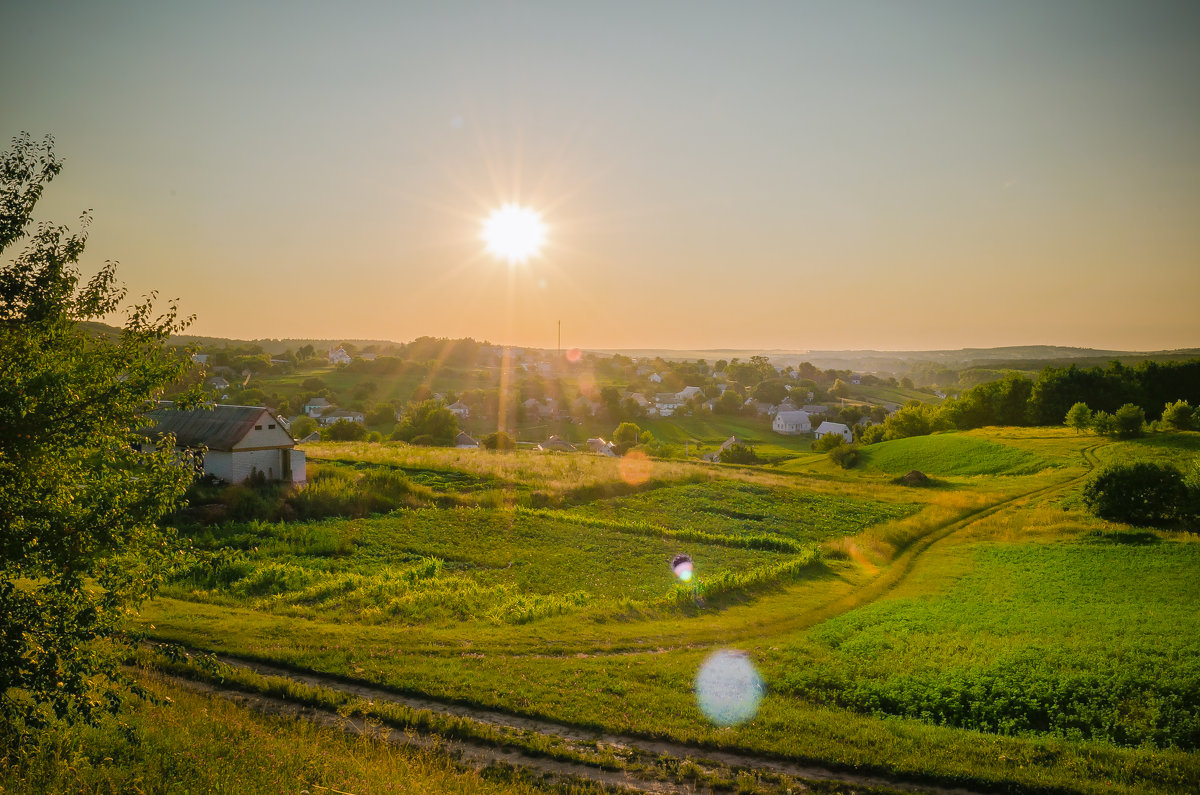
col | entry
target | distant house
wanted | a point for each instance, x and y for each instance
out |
(200, 358)
(315, 436)
(218, 382)
(598, 445)
(791, 423)
(656, 378)
(813, 408)
(316, 406)
(338, 355)
(728, 443)
(760, 408)
(666, 403)
(787, 405)
(464, 441)
(827, 428)
(233, 442)
(369, 357)
(460, 409)
(687, 392)
(340, 415)
(557, 443)
(856, 379)
(640, 399)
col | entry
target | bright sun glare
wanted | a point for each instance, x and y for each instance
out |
(514, 233)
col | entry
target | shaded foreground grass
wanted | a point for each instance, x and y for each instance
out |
(193, 743)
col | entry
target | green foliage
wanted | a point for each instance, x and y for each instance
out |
(498, 440)
(844, 455)
(1142, 493)
(431, 419)
(627, 434)
(915, 419)
(1079, 417)
(738, 454)
(1179, 416)
(79, 504)
(1104, 423)
(828, 442)
(1082, 641)
(345, 431)
(303, 426)
(1129, 421)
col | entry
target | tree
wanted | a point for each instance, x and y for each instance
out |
(1104, 423)
(429, 418)
(737, 454)
(346, 431)
(498, 441)
(303, 426)
(80, 503)
(1129, 420)
(1079, 417)
(1178, 415)
(840, 389)
(627, 434)
(1141, 493)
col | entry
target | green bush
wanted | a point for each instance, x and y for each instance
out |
(844, 455)
(1130, 421)
(1179, 416)
(829, 441)
(498, 441)
(738, 454)
(345, 431)
(1141, 493)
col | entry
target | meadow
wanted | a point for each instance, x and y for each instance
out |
(985, 632)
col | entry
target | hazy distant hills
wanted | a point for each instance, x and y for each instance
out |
(1020, 357)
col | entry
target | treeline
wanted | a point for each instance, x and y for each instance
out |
(1046, 400)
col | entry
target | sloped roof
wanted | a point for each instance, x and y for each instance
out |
(464, 439)
(792, 416)
(731, 441)
(832, 427)
(217, 427)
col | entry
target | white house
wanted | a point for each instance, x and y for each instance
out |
(338, 355)
(791, 423)
(460, 409)
(687, 392)
(315, 406)
(217, 382)
(656, 378)
(666, 403)
(827, 428)
(233, 442)
(337, 415)
(598, 445)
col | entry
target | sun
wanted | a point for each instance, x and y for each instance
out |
(514, 233)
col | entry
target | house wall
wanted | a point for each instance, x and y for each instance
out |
(219, 465)
(269, 462)
(267, 437)
(299, 475)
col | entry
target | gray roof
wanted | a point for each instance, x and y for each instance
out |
(216, 427)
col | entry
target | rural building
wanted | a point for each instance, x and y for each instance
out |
(557, 443)
(217, 382)
(656, 378)
(338, 355)
(464, 441)
(791, 423)
(728, 443)
(233, 442)
(460, 409)
(640, 399)
(827, 428)
(598, 445)
(315, 406)
(687, 392)
(338, 415)
(667, 402)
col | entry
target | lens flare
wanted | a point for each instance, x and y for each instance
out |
(574, 355)
(681, 565)
(728, 688)
(635, 468)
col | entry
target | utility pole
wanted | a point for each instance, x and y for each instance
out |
(560, 339)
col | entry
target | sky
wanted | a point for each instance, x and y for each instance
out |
(792, 175)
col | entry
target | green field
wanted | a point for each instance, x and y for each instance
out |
(986, 633)
(954, 454)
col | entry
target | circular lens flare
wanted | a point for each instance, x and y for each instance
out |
(514, 233)
(681, 566)
(728, 688)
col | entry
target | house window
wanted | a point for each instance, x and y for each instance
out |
(258, 427)
(271, 427)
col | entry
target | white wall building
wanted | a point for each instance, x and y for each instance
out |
(233, 442)
(826, 428)
(791, 423)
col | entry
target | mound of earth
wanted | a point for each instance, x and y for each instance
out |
(915, 478)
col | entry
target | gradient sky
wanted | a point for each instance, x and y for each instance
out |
(889, 175)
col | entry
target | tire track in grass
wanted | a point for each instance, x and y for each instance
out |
(663, 754)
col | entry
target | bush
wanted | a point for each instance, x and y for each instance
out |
(844, 455)
(345, 431)
(1079, 417)
(1130, 421)
(737, 454)
(1179, 416)
(823, 444)
(498, 441)
(1142, 494)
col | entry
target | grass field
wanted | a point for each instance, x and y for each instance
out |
(984, 633)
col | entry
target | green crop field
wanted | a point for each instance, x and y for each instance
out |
(984, 633)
